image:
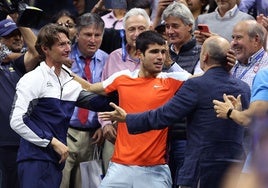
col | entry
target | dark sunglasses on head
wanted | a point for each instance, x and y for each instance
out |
(68, 25)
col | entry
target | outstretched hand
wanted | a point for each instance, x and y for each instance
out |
(119, 114)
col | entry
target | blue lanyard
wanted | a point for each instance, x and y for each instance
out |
(123, 45)
(256, 59)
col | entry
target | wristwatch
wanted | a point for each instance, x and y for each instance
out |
(229, 113)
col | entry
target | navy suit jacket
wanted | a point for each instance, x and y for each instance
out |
(208, 137)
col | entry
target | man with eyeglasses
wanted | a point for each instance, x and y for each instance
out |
(67, 19)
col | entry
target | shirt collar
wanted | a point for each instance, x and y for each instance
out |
(255, 57)
(229, 14)
(112, 16)
(79, 54)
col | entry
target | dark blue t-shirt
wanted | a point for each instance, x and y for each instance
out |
(10, 73)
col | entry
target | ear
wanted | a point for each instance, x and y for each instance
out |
(257, 38)
(139, 54)
(77, 35)
(190, 28)
(151, 27)
(44, 49)
(205, 57)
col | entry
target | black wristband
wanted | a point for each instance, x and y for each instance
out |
(229, 113)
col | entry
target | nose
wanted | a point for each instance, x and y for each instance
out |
(17, 37)
(161, 55)
(68, 47)
(137, 32)
(169, 30)
(233, 42)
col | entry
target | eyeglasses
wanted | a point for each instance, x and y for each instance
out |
(68, 25)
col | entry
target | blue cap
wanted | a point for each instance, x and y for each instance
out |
(115, 4)
(7, 26)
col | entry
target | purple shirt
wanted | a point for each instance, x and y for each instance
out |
(112, 22)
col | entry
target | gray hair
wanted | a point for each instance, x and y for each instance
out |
(254, 29)
(136, 12)
(181, 11)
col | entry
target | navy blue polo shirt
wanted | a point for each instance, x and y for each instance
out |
(10, 73)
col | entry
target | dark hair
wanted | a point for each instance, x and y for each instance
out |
(62, 13)
(204, 6)
(148, 37)
(144, 4)
(88, 19)
(48, 36)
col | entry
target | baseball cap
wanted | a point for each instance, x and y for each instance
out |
(115, 4)
(7, 26)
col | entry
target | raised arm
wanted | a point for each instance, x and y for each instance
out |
(31, 58)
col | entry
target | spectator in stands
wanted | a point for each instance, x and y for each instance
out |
(65, 18)
(84, 129)
(225, 16)
(18, 61)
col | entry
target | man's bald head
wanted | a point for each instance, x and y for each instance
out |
(214, 51)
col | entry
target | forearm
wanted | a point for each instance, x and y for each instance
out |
(29, 38)
(94, 88)
(257, 108)
(93, 102)
(22, 122)
(241, 117)
(31, 58)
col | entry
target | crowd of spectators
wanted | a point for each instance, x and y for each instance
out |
(102, 35)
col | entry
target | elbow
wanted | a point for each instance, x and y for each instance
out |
(14, 124)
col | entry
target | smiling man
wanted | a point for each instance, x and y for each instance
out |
(248, 40)
(43, 105)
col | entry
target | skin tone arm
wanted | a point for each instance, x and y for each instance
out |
(162, 4)
(11, 56)
(31, 58)
(256, 108)
(94, 88)
(263, 21)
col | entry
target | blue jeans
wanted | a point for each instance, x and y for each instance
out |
(176, 157)
(125, 176)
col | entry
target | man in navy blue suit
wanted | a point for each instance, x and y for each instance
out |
(213, 144)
